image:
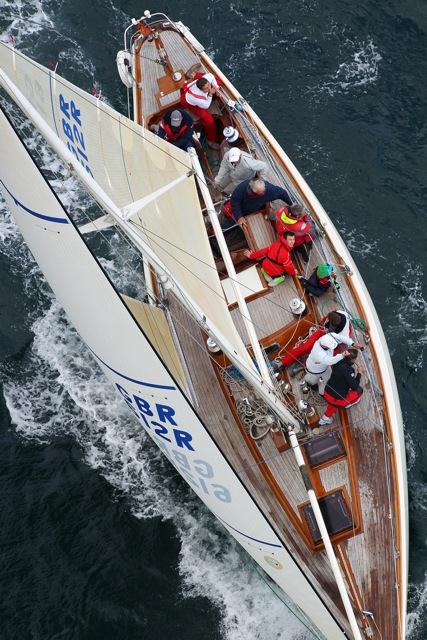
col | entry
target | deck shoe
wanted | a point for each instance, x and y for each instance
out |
(325, 420)
(266, 276)
(276, 281)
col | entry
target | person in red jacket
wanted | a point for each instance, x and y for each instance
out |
(277, 261)
(294, 218)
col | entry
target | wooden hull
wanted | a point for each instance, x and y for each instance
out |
(371, 472)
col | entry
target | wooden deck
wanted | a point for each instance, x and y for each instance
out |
(367, 554)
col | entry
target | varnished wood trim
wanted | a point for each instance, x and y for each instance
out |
(263, 466)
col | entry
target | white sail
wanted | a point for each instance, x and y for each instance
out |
(133, 365)
(129, 163)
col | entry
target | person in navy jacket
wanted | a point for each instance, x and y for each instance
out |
(177, 128)
(252, 195)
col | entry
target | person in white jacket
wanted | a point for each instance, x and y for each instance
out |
(237, 166)
(320, 360)
(196, 96)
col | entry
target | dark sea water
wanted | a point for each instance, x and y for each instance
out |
(99, 538)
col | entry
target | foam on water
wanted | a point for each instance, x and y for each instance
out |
(360, 68)
(412, 307)
(24, 19)
(418, 605)
(59, 391)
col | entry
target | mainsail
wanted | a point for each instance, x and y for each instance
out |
(130, 359)
(130, 163)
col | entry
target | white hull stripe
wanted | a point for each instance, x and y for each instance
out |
(34, 213)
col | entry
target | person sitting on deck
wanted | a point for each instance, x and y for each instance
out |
(177, 128)
(320, 281)
(319, 362)
(237, 166)
(343, 388)
(277, 260)
(196, 96)
(295, 219)
(253, 195)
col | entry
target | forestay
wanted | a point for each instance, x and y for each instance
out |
(129, 163)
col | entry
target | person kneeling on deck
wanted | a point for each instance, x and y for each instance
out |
(277, 261)
(196, 96)
(177, 128)
(320, 360)
(253, 195)
(321, 281)
(295, 219)
(337, 324)
(343, 388)
(237, 166)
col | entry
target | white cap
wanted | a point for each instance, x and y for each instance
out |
(328, 342)
(230, 134)
(234, 154)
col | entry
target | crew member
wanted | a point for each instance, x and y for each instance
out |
(177, 128)
(343, 388)
(252, 195)
(277, 260)
(336, 323)
(295, 219)
(196, 96)
(319, 362)
(237, 166)
(320, 281)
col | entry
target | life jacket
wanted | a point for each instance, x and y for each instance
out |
(170, 135)
(186, 88)
(278, 254)
(284, 216)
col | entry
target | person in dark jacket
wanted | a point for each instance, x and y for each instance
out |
(343, 388)
(177, 128)
(320, 281)
(252, 195)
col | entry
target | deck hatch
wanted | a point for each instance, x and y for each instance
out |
(336, 514)
(324, 448)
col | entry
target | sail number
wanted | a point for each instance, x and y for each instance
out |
(159, 420)
(72, 127)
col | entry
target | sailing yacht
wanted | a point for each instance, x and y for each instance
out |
(202, 360)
